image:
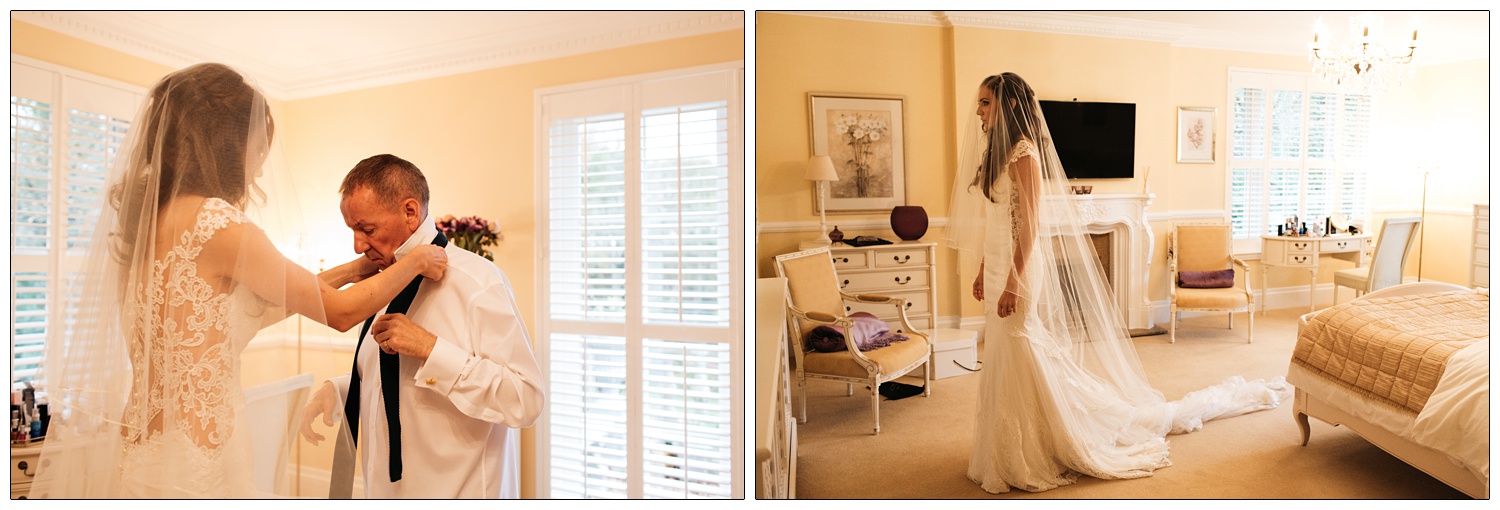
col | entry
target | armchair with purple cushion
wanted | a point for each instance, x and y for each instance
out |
(814, 299)
(1201, 263)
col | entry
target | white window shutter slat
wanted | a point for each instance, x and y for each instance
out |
(66, 128)
(639, 307)
(1296, 149)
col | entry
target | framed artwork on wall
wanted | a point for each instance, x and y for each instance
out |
(1195, 134)
(865, 137)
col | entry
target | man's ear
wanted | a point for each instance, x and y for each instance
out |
(413, 212)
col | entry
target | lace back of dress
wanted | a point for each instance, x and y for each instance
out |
(185, 362)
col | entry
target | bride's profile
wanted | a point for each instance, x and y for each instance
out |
(180, 275)
(1062, 392)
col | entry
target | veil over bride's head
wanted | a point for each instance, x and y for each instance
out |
(158, 311)
(997, 188)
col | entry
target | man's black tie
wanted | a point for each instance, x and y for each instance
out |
(390, 380)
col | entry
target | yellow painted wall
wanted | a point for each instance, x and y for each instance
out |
(800, 54)
(471, 134)
(796, 54)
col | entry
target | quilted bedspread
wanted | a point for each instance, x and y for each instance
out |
(1393, 350)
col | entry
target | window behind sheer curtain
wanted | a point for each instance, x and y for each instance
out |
(66, 128)
(1296, 148)
(640, 268)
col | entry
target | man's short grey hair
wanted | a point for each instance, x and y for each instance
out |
(391, 178)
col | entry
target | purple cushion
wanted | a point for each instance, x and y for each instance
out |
(869, 333)
(1221, 279)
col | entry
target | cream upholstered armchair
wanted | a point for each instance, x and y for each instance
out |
(1388, 262)
(1207, 247)
(814, 299)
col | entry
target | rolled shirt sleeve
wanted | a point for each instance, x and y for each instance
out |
(498, 381)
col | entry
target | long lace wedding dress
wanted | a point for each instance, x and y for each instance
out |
(1062, 392)
(1043, 417)
(144, 380)
(185, 434)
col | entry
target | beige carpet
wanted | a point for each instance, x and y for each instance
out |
(923, 447)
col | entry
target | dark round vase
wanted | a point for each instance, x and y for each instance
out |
(909, 222)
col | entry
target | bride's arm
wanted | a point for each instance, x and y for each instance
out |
(1029, 191)
(270, 275)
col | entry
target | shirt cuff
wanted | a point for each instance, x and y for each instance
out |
(443, 367)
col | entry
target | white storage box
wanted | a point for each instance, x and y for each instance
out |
(950, 345)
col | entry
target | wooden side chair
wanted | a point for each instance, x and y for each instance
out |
(1206, 247)
(814, 299)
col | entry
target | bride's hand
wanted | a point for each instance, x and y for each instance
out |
(979, 287)
(433, 261)
(1006, 305)
(361, 268)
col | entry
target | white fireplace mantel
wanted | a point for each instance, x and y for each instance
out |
(1124, 216)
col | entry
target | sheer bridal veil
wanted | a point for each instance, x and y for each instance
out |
(145, 383)
(1087, 366)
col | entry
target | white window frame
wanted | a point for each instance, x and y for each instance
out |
(58, 261)
(736, 128)
(1251, 245)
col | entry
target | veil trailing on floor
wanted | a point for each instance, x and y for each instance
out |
(181, 271)
(1086, 362)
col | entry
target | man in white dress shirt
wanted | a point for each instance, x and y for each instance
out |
(468, 377)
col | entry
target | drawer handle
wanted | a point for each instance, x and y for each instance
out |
(900, 260)
(23, 466)
(898, 280)
(845, 260)
(908, 305)
(847, 309)
(845, 284)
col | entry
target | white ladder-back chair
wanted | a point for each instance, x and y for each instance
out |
(1388, 263)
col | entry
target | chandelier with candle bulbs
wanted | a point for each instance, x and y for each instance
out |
(1362, 65)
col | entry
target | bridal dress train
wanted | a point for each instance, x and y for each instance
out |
(1062, 392)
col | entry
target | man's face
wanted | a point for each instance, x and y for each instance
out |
(379, 228)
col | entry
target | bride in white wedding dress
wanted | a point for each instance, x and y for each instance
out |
(1062, 392)
(145, 391)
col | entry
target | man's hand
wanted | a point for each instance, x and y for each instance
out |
(325, 401)
(397, 334)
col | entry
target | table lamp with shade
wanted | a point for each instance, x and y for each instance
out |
(820, 170)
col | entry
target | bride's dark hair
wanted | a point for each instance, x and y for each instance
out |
(195, 133)
(1014, 102)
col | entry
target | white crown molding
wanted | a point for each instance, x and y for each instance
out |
(1068, 23)
(473, 54)
(923, 18)
(1071, 24)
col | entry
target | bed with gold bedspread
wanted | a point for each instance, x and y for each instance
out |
(1407, 368)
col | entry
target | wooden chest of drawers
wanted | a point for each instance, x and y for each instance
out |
(905, 269)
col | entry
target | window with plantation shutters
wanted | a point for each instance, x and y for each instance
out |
(1296, 148)
(640, 300)
(66, 128)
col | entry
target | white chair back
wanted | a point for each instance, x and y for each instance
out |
(1391, 250)
(273, 409)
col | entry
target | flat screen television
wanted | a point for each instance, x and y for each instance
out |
(1094, 140)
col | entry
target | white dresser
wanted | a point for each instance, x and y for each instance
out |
(1303, 252)
(775, 425)
(1479, 272)
(907, 269)
(23, 462)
